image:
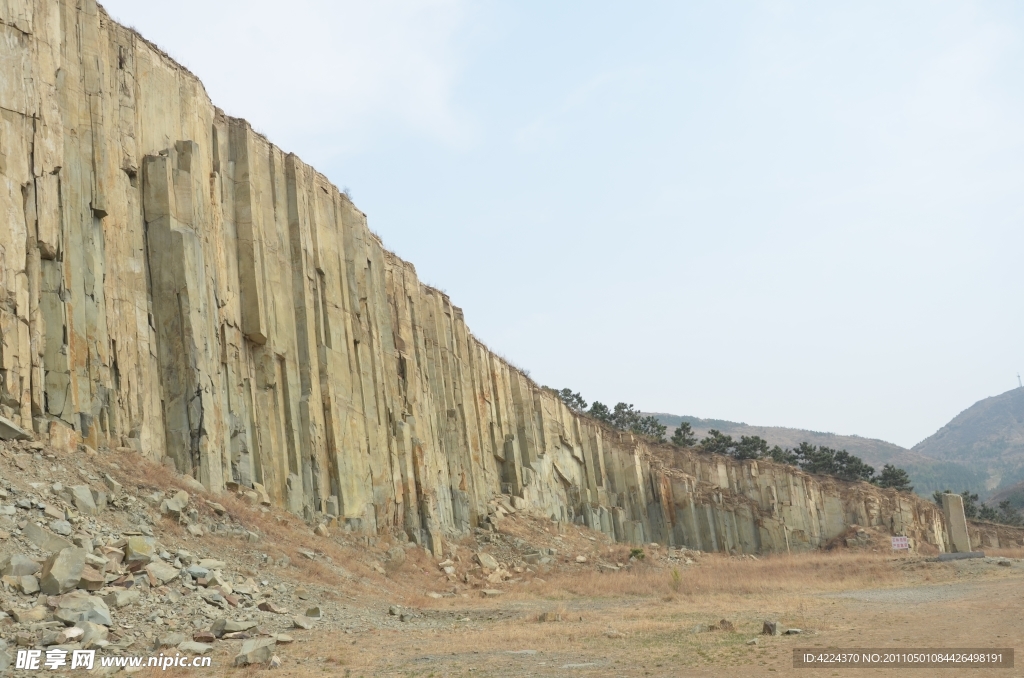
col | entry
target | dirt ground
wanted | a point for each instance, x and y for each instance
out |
(921, 604)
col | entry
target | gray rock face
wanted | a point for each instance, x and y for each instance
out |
(169, 237)
(79, 606)
(62, 571)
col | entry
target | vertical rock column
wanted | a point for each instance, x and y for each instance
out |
(181, 313)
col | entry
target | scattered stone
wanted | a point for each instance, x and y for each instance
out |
(313, 612)
(256, 651)
(139, 549)
(175, 505)
(18, 565)
(61, 527)
(79, 606)
(268, 606)
(92, 579)
(321, 531)
(396, 555)
(793, 632)
(35, 614)
(192, 647)
(45, 540)
(112, 485)
(771, 628)
(204, 637)
(275, 662)
(84, 500)
(71, 634)
(222, 626)
(301, 622)
(581, 559)
(121, 597)
(487, 560)
(27, 584)
(752, 641)
(160, 573)
(196, 530)
(490, 593)
(11, 431)
(62, 571)
(92, 633)
(283, 638)
(170, 640)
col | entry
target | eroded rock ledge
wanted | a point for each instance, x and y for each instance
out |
(171, 281)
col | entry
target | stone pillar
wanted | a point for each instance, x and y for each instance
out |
(956, 523)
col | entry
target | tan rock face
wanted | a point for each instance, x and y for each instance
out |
(172, 282)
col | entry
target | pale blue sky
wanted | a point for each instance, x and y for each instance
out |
(786, 213)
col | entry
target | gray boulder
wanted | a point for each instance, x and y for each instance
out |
(79, 606)
(256, 651)
(62, 571)
(18, 565)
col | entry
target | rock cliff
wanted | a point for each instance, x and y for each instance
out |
(172, 282)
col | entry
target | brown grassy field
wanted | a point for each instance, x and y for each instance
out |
(646, 622)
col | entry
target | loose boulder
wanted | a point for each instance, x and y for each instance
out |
(256, 651)
(79, 606)
(18, 565)
(139, 549)
(62, 571)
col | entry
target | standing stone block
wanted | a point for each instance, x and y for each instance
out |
(956, 523)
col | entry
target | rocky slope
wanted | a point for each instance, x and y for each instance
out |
(173, 283)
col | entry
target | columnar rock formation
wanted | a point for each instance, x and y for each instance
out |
(173, 282)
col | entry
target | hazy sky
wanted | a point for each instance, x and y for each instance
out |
(785, 213)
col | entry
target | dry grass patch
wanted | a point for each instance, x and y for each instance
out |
(805, 572)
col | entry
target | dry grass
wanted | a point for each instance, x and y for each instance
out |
(816, 571)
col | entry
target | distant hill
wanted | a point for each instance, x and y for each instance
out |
(928, 474)
(1014, 493)
(988, 436)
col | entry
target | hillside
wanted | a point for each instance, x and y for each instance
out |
(928, 474)
(988, 435)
